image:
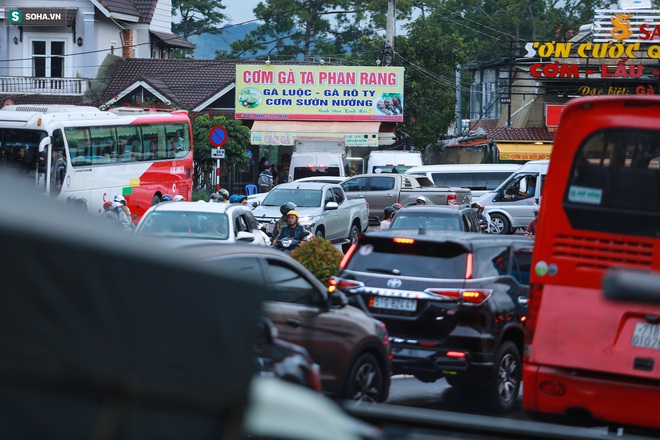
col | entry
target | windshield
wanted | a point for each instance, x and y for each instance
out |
(19, 148)
(440, 221)
(213, 226)
(303, 198)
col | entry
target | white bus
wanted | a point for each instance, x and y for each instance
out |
(84, 153)
(480, 178)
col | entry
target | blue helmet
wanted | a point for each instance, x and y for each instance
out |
(166, 198)
(232, 198)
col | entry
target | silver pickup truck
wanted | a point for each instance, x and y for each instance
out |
(381, 190)
(322, 207)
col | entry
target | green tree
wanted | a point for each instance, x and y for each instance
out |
(236, 148)
(314, 28)
(197, 17)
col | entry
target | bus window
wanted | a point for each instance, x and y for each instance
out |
(128, 143)
(79, 146)
(619, 175)
(104, 144)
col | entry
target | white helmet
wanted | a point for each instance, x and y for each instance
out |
(178, 198)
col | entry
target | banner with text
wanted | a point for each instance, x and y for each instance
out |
(319, 93)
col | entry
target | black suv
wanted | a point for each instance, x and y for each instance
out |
(454, 304)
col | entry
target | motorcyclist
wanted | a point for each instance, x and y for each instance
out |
(281, 222)
(293, 232)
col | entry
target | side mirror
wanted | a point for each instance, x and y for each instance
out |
(331, 206)
(42, 162)
(245, 236)
(255, 204)
(338, 299)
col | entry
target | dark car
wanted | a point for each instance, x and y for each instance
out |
(443, 218)
(284, 360)
(454, 304)
(351, 347)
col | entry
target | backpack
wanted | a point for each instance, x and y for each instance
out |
(264, 180)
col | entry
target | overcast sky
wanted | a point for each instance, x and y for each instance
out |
(240, 10)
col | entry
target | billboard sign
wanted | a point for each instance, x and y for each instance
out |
(318, 93)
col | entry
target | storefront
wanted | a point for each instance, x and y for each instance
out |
(522, 152)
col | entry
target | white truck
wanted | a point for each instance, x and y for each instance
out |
(323, 208)
(393, 161)
(318, 157)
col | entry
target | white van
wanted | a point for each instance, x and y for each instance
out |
(393, 161)
(511, 205)
(318, 164)
(480, 178)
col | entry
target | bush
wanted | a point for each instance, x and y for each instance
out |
(200, 195)
(320, 257)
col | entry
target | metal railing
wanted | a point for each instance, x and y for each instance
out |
(44, 86)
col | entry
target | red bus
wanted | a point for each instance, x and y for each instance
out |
(586, 357)
(141, 154)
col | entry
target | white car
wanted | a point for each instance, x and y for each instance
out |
(255, 200)
(222, 222)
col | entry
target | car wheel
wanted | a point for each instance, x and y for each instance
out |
(365, 382)
(500, 224)
(354, 234)
(504, 385)
(155, 200)
(319, 233)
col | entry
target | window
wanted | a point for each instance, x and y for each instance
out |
(491, 261)
(339, 195)
(287, 285)
(382, 183)
(354, 185)
(48, 62)
(616, 173)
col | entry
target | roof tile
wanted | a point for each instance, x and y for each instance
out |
(519, 134)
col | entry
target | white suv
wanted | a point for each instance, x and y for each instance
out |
(221, 222)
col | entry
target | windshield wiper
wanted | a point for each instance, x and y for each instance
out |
(388, 271)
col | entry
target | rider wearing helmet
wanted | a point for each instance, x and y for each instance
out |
(281, 222)
(482, 216)
(293, 230)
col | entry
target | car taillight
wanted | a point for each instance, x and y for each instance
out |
(335, 283)
(533, 306)
(347, 256)
(451, 199)
(314, 378)
(401, 240)
(465, 296)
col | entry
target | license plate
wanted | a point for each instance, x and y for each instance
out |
(270, 227)
(386, 302)
(646, 336)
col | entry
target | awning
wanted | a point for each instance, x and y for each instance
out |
(528, 151)
(172, 40)
(355, 134)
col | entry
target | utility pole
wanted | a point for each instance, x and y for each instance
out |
(459, 110)
(388, 52)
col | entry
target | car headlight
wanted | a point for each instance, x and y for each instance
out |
(306, 219)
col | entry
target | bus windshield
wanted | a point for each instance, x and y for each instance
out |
(19, 149)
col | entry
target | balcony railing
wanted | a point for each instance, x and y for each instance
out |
(44, 86)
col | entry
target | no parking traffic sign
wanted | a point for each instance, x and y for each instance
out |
(218, 136)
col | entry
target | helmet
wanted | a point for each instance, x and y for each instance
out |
(120, 199)
(389, 211)
(115, 205)
(288, 206)
(107, 204)
(215, 196)
(397, 206)
(224, 193)
(178, 198)
(232, 198)
(422, 199)
(292, 213)
(239, 198)
(166, 198)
